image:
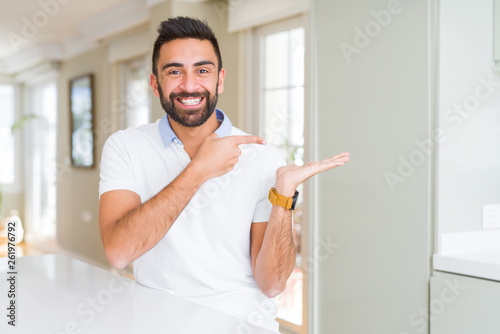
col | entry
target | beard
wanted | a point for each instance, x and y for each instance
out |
(189, 117)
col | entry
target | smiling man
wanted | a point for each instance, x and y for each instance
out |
(201, 208)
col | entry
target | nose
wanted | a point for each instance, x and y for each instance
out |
(189, 83)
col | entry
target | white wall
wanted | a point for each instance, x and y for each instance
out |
(375, 107)
(469, 159)
(249, 14)
(78, 188)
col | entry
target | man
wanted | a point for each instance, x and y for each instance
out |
(186, 198)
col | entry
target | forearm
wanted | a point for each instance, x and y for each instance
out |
(276, 258)
(144, 226)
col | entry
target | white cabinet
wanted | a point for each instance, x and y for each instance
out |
(464, 305)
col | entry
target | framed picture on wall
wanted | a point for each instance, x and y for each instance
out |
(81, 106)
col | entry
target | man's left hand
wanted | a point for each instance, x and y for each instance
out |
(289, 177)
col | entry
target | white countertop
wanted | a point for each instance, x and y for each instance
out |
(475, 253)
(57, 294)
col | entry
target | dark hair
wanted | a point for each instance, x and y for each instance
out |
(182, 27)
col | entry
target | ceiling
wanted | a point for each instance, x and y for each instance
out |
(32, 31)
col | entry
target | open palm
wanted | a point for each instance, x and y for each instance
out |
(289, 177)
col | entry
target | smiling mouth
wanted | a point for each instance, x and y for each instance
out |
(190, 101)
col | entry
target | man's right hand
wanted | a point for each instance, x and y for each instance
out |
(218, 156)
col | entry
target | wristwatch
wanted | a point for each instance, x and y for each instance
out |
(286, 202)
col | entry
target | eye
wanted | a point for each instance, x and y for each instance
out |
(174, 72)
(202, 71)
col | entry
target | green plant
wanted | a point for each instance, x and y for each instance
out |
(18, 124)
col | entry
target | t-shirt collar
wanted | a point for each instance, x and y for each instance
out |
(168, 135)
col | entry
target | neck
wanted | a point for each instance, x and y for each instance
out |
(193, 137)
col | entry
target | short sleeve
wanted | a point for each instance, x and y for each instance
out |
(273, 160)
(116, 167)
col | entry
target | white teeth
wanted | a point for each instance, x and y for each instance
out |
(190, 102)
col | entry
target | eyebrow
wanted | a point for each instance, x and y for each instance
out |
(200, 63)
(204, 62)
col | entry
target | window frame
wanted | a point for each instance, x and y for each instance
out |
(253, 122)
(124, 70)
(17, 186)
(29, 89)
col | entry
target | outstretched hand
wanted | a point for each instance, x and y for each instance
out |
(289, 177)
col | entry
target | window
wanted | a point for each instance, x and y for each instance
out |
(41, 159)
(135, 93)
(283, 123)
(281, 96)
(283, 92)
(7, 167)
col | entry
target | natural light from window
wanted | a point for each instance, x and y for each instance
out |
(7, 167)
(283, 126)
(43, 164)
(136, 93)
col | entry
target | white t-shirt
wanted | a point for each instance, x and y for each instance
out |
(205, 256)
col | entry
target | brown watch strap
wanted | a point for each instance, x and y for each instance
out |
(277, 199)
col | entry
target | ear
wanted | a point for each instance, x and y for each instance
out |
(220, 84)
(153, 81)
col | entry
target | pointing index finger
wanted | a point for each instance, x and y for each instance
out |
(248, 139)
